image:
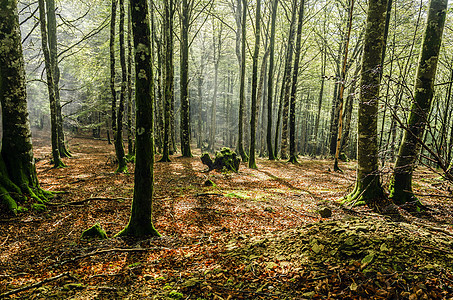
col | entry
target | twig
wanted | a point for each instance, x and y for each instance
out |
(5, 240)
(34, 285)
(208, 194)
(87, 200)
(96, 252)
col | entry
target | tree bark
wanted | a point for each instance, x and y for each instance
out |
(140, 222)
(52, 35)
(401, 184)
(184, 81)
(17, 167)
(240, 149)
(292, 115)
(368, 188)
(50, 87)
(270, 82)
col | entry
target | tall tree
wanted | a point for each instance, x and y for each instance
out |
(368, 187)
(112, 62)
(140, 222)
(52, 35)
(217, 48)
(292, 114)
(57, 162)
(168, 82)
(130, 135)
(253, 113)
(286, 84)
(184, 81)
(241, 151)
(17, 165)
(401, 184)
(119, 148)
(342, 84)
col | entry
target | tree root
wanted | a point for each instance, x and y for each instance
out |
(87, 200)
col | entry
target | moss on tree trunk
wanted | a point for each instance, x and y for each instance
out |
(368, 187)
(17, 169)
(140, 222)
(401, 183)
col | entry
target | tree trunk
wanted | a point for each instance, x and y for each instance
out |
(240, 149)
(270, 83)
(52, 35)
(184, 82)
(401, 185)
(119, 148)
(168, 90)
(286, 84)
(342, 84)
(112, 65)
(292, 116)
(17, 167)
(368, 188)
(253, 112)
(130, 132)
(50, 87)
(140, 222)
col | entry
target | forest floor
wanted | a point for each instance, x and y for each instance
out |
(255, 234)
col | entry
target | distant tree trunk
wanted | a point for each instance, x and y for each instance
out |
(112, 64)
(253, 113)
(119, 149)
(286, 84)
(315, 143)
(368, 188)
(52, 35)
(348, 113)
(200, 103)
(184, 81)
(217, 44)
(241, 151)
(342, 85)
(50, 87)
(292, 116)
(168, 89)
(401, 185)
(140, 222)
(270, 83)
(17, 166)
(130, 133)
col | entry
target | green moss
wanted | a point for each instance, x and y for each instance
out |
(175, 295)
(94, 232)
(237, 195)
(38, 207)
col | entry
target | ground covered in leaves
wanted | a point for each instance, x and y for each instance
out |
(255, 234)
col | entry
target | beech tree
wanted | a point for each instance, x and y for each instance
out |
(401, 185)
(17, 166)
(140, 222)
(50, 68)
(368, 187)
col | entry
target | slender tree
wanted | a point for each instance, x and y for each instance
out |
(368, 187)
(168, 82)
(140, 222)
(112, 63)
(286, 84)
(240, 147)
(292, 114)
(57, 162)
(342, 85)
(184, 81)
(119, 148)
(52, 35)
(253, 113)
(17, 165)
(270, 85)
(401, 184)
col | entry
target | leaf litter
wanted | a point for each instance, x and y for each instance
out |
(255, 234)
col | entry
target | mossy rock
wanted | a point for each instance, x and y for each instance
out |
(225, 160)
(95, 232)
